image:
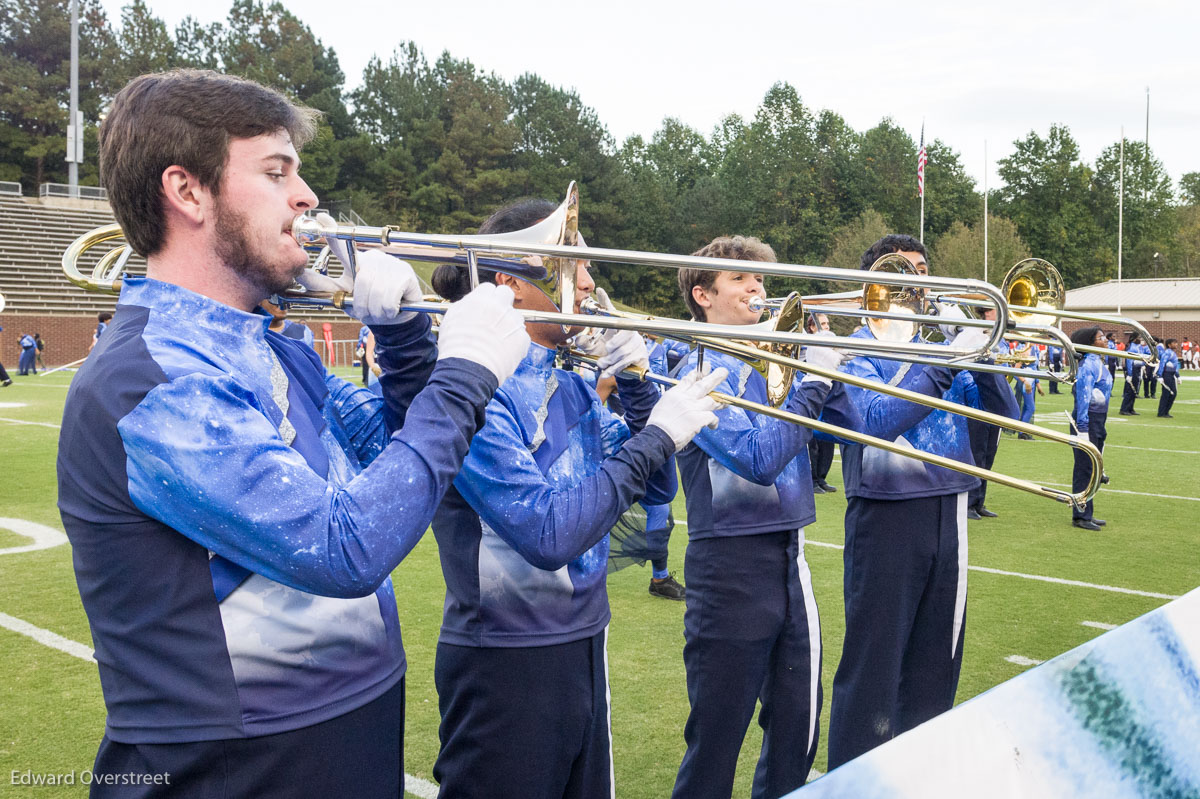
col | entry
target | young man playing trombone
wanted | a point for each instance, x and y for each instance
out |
(235, 511)
(751, 626)
(905, 578)
(522, 663)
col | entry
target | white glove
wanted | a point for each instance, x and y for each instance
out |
(949, 310)
(825, 357)
(382, 284)
(686, 408)
(1083, 436)
(970, 338)
(483, 327)
(623, 348)
(590, 341)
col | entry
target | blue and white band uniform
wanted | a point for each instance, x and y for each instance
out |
(235, 512)
(751, 626)
(1168, 363)
(523, 534)
(1093, 388)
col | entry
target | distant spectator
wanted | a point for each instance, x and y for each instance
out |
(102, 323)
(41, 349)
(28, 360)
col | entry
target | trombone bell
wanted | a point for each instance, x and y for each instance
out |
(1034, 283)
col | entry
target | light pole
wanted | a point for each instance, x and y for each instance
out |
(1156, 257)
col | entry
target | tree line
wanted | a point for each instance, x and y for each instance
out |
(435, 146)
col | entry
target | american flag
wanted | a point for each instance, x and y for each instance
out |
(922, 158)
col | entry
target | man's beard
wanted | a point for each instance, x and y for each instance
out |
(234, 249)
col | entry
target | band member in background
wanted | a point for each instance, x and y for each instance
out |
(1133, 378)
(751, 626)
(234, 511)
(1093, 388)
(1168, 372)
(905, 575)
(1054, 355)
(521, 669)
(984, 439)
(820, 450)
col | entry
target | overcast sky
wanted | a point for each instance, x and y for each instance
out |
(972, 74)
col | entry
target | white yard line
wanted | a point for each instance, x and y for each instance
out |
(1135, 493)
(36, 424)
(413, 785)
(1021, 660)
(1099, 625)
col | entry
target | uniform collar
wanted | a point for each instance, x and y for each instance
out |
(190, 308)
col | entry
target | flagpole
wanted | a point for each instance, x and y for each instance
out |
(1120, 217)
(985, 215)
(921, 159)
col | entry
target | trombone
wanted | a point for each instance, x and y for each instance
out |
(1036, 294)
(545, 255)
(896, 316)
(787, 363)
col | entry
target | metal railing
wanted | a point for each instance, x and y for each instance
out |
(79, 192)
(10, 187)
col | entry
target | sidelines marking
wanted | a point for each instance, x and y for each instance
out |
(52, 640)
(1153, 449)
(1135, 493)
(1021, 660)
(14, 404)
(1151, 424)
(22, 421)
(1038, 577)
(43, 537)
(1099, 625)
(413, 785)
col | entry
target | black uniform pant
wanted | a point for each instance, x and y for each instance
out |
(1055, 364)
(1131, 391)
(820, 458)
(524, 722)
(1170, 381)
(1097, 432)
(905, 589)
(985, 439)
(359, 754)
(1149, 384)
(752, 633)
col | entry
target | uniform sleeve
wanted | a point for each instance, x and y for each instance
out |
(548, 526)
(994, 394)
(407, 354)
(1084, 383)
(759, 453)
(360, 411)
(202, 457)
(889, 417)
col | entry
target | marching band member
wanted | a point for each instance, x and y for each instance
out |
(235, 511)
(1133, 377)
(751, 626)
(905, 575)
(1093, 388)
(521, 671)
(1168, 372)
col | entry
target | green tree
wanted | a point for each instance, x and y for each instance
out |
(950, 195)
(959, 252)
(888, 176)
(1047, 194)
(1149, 221)
(1189, 188)
(143, 43)
(196, 45)
(35, 61)
(851, 240)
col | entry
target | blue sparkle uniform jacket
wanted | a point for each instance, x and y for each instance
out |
(875, 474)
(1093, 388)
(751, 474)
(523, 534)
(231, 544)
(1168, 362)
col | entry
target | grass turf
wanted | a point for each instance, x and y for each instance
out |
(52, 712)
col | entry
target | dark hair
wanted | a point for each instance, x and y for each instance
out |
(1171, 341)
(738, 248)
(453, 282)
(185, 117)
(103, 316)
(893, 242)
(1085, 335)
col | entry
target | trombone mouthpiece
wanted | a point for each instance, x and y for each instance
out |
(757, 304)
(310, 230)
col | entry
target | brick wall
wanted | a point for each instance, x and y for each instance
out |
(1164, 330)
(68, 337)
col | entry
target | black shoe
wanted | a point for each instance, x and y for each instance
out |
(1127, 413)
(973, 514)
(828, 488)
(1085, 524)
(667, 588)
(1024, 437)
(817, 489)
(1104, 479)
(7, 382)
(1134, 413)
(1100, 522)
(985, 513)
(1165, 416)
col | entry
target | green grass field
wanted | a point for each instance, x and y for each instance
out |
(52, 713)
